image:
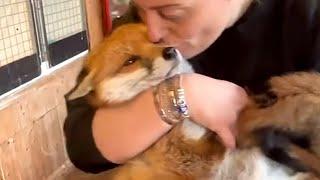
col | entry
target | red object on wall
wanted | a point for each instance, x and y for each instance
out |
(106, 16)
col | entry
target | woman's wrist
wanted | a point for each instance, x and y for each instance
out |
(169, 97)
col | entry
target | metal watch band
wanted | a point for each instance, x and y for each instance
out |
(170, 100)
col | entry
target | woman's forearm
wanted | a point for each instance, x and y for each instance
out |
(125, 130)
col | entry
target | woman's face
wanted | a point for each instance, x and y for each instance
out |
(189, 25)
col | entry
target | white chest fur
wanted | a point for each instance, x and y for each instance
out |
(251, 164)
(248, 164)
(192, 130)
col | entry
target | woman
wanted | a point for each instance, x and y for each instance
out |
(240, 42)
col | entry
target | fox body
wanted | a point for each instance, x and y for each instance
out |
(126, 64)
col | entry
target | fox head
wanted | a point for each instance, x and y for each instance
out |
(125, 64)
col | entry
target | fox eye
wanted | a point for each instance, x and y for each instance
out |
(131, 60)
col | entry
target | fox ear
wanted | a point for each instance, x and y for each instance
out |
(84, 86)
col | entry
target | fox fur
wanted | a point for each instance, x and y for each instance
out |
(278, 138)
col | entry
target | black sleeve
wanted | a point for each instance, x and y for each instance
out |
(301, 33)
(80, 145)
(316, 31)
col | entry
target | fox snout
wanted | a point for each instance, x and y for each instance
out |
(169, 53)
(126, 64)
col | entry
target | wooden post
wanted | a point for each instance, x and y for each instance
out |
(95, 22)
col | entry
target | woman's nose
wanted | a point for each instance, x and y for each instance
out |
(155, 28)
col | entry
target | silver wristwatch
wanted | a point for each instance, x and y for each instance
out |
(170, 100)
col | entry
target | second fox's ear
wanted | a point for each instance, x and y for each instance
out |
(84, 86)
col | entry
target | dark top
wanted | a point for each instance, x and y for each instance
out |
(272, 38)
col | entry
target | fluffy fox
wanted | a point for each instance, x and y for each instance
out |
(277, 135)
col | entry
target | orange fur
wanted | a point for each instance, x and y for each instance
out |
(175, 157)
(296, 110)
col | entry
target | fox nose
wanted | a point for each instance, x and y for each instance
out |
(169, 53)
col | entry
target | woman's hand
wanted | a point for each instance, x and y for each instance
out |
(215, 104)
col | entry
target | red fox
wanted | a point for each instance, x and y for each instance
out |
(126, 64)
